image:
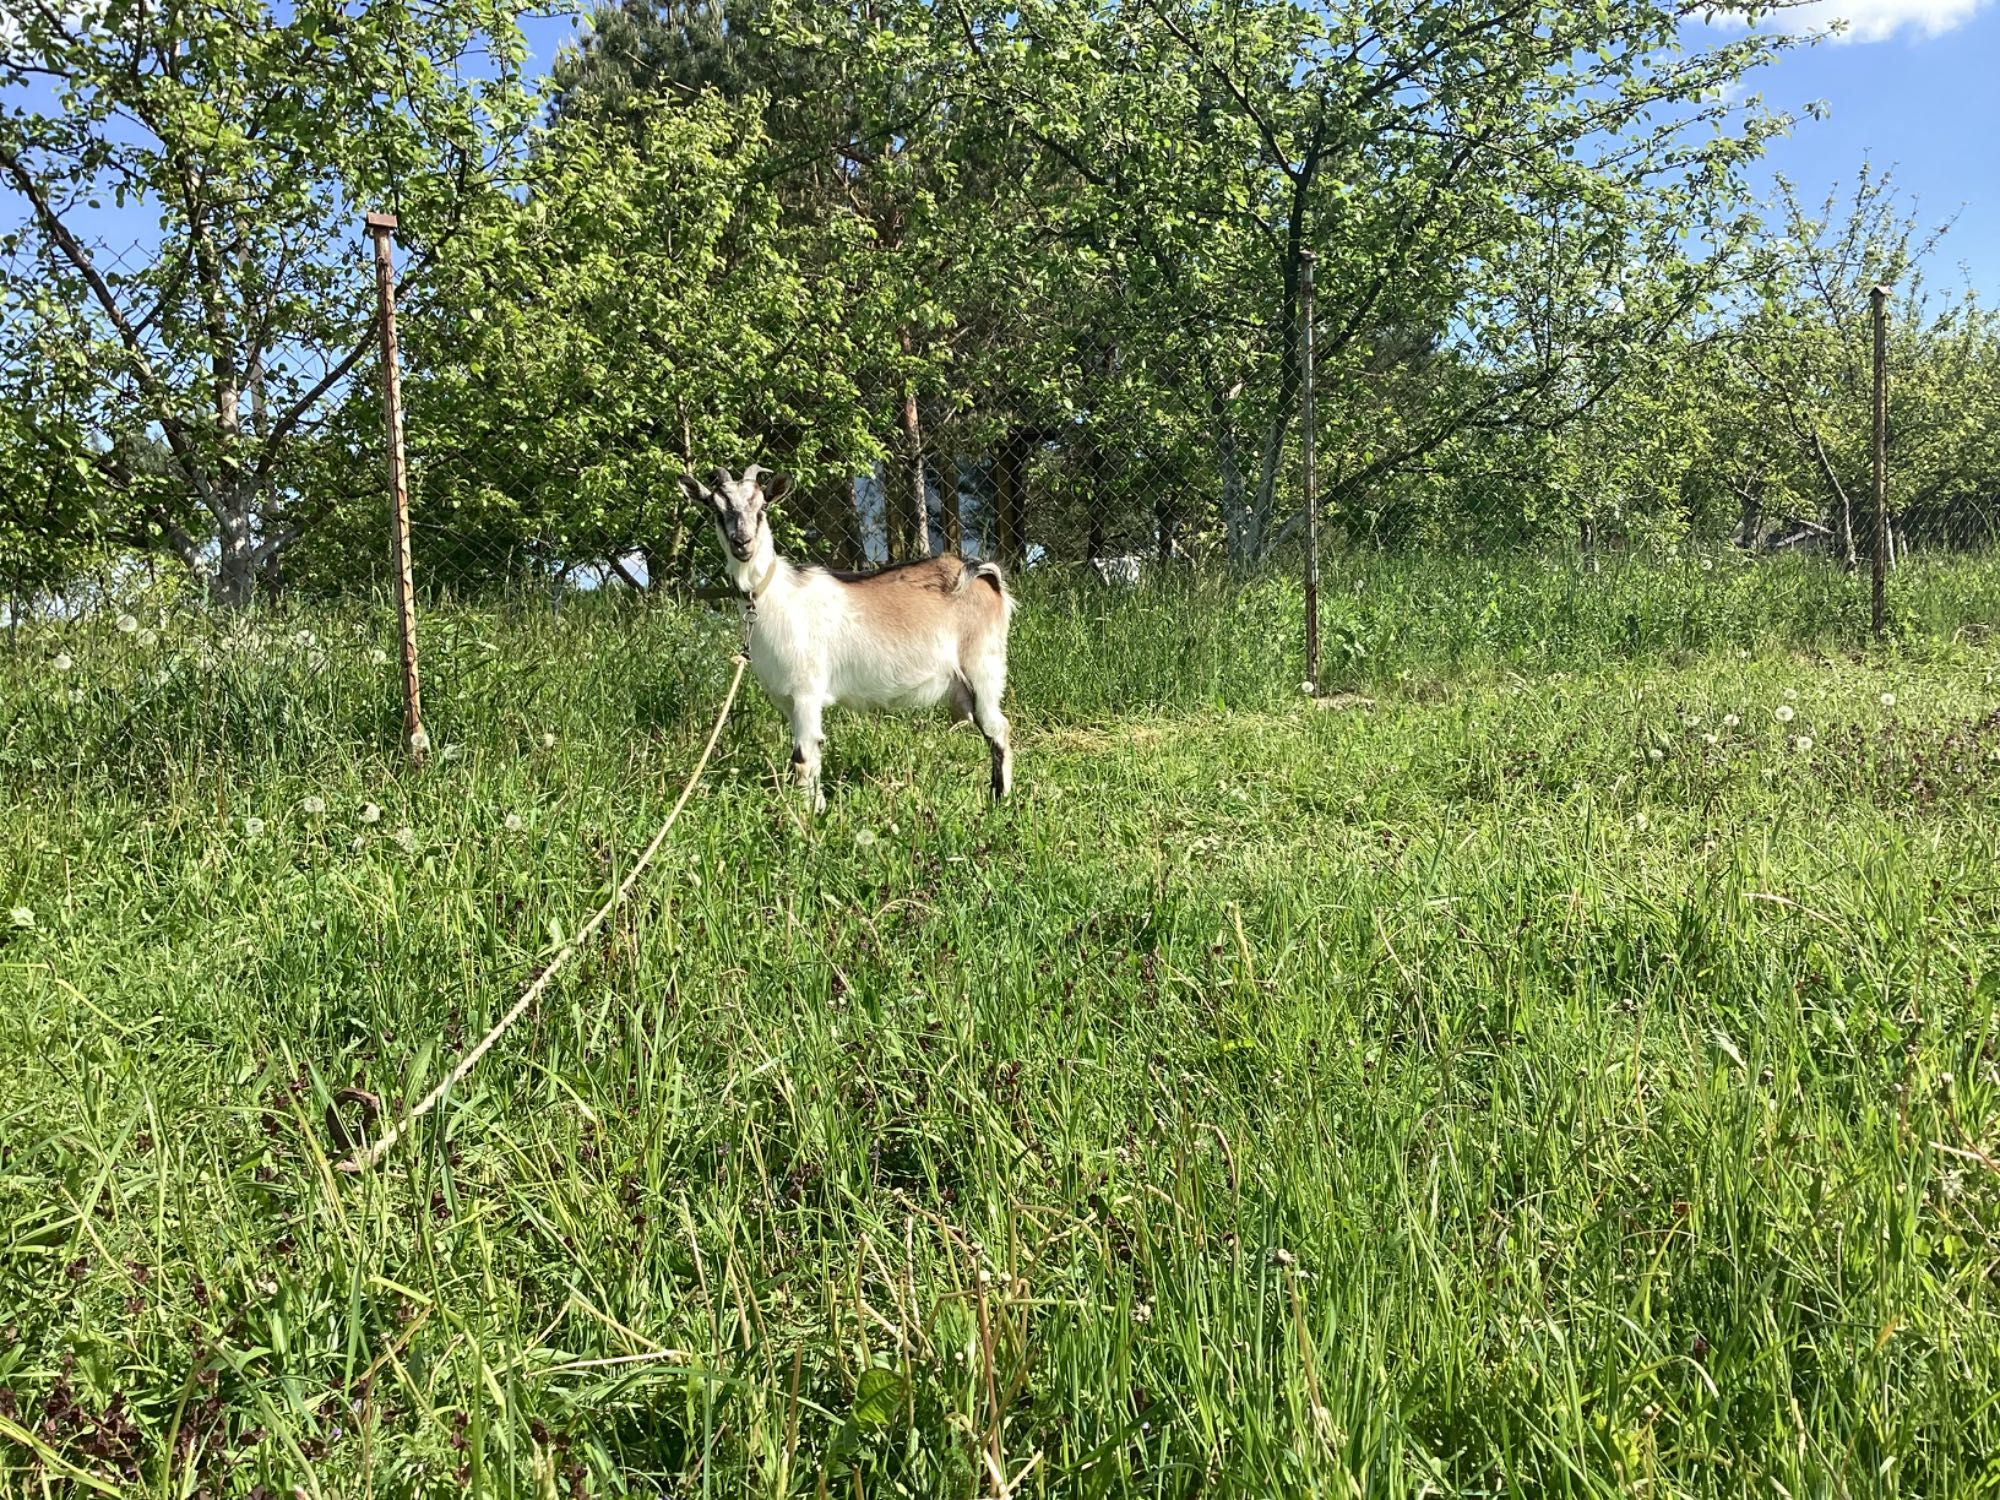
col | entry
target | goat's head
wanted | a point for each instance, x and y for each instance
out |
(739, 506)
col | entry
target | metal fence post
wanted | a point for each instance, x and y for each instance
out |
(1879, 305)
(381, 228)
(1309, 458)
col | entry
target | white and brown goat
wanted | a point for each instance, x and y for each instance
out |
(904, 638)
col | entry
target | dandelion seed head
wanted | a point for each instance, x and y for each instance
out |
(127, 625)
(1785, 713)
(1730, 721)
(548, 742)
(305, 639)
(21, 918)
(407, 837)
(512, 823)
(1306, 688)
(1888, 700)
(1642, 822)
(148, 639)
(1711, 738)
(420, 743)
(253, 827)
(312, 807)
(1791, 694)
(62, 662)
(370, 813)
(378, 657)
(1656, 754)
(864, 838)
(1803, 743)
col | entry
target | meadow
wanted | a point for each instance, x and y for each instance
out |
(1557, 1059)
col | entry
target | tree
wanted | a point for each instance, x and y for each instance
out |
(644, 307)
(1805, 352)
(255, 135)
(1470, 181)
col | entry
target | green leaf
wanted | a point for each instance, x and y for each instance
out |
(878, 1397)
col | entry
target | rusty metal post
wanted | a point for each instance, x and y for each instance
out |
(1879, 305)
(1309, 458)
(381, 228)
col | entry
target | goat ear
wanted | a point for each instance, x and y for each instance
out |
(696, 490)
(774, 486)
(719, 477)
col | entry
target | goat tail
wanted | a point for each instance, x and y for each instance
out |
(974, 570)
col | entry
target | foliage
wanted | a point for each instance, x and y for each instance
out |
(1023, 278)
(1067, 241)
(1754, 420)
(1472, 191)
(257, 135)
(1807, 355)
(643, 306)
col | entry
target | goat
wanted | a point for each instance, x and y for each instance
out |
(904, 638)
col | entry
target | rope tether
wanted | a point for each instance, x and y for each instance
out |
(367, 1156)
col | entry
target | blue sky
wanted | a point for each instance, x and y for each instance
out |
(1914, 87)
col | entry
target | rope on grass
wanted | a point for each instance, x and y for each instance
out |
(367, 1156)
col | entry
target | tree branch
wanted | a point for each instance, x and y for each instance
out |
(100, 290)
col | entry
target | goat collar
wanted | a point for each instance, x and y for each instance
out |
(754, 590)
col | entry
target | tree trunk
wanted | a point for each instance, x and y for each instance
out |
(236, 568)
(1238, 525)
(1843, 512)
(831, 505)
(950, 520)
(1010, 485)
(1258, 531)
(908, 518)
(1751, 527)
(1163, 529)
(1093, 547)
(672, 565)
(1257, 528)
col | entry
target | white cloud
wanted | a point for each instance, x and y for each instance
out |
(1879, 20)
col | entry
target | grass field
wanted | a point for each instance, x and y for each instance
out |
(1567, 1066)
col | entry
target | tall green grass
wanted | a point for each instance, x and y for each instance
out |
(1533, 1083)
